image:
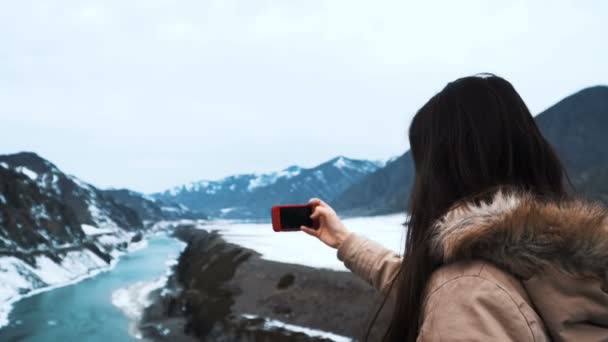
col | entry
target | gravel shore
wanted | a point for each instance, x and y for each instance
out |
(223, 292)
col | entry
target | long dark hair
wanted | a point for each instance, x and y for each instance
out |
(474, 136)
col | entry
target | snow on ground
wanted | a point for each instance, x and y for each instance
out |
(73, 265)
(24, 170)
(19, 280)
(134, 299)
(261, 180)
(300, 248)
(99, 215)
(225, 211)
(164, 225)
(80, 183)
(39, 212)
(271, 323)
(340, 163)
(92, 230)
(136, 246)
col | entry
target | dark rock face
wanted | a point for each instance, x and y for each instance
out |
(206, 266)
(42, 208)
(137, 237)
(29, 218)
(382, 192)
(88, 203)
(42, 211)
(223, 292)
(575, 126)
(286, 281)
(145, 209)
(250, 196)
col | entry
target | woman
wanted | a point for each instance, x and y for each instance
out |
(496, 249)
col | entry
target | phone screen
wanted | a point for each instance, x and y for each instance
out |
(295, 217)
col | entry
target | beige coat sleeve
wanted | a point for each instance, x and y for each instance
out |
(369, 260)
(470, 308)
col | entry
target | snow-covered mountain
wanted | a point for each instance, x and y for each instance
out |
(89, 204)
(250, 196)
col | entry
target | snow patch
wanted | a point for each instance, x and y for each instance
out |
(92, 230)
(4, 165)
(167, 209)
(148, 197)
(290, 172)
(225, 211)
(50, 181)
(73, 265)
(2, 199)
(80, 183)
(133, 300)
(273, 324)
(340, 163)
(262, 180)
(39, 212)
(29, 173)
(320, 176)
(101, 218)
(136, 246)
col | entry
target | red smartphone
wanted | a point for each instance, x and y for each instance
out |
(290, 217)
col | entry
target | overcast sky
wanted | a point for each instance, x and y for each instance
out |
(154, 93)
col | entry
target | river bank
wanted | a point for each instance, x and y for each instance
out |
(220, 291)
(23, 275)
(86, 311)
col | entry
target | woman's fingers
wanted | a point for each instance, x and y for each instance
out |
(314, 201)
(318, 202)
(318, 212)
(309, 231)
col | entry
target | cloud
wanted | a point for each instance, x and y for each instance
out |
(148, 94)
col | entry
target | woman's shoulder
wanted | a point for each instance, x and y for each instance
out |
(476, 271)
(475, 298)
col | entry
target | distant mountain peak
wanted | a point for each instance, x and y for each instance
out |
(341, 162)
(250, 195)
(261, 180)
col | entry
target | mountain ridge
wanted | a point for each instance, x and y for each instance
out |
(250, 195)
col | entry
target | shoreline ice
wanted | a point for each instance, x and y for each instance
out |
(10, 295)
(273, 323)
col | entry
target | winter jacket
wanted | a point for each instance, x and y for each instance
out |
(514, 269)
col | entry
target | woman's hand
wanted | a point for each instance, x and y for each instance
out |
(331, 230)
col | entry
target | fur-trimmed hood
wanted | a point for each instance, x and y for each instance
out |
(524, 235)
